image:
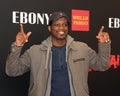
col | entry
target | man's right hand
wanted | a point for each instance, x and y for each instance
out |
(22, 37)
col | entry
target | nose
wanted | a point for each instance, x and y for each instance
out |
(61, 26)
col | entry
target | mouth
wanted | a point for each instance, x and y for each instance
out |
(61, 32)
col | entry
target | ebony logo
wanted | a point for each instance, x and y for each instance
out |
(114, 22)
(31, 18)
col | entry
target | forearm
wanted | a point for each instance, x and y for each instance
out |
(104, 55)
(15, 65)
(101, 60)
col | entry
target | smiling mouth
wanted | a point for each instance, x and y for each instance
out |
(61, 32)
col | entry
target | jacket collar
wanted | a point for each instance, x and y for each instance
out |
(47, 43)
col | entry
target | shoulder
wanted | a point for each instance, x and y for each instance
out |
(36, 47)
(79, 44)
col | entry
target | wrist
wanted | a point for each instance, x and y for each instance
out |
(18, 45)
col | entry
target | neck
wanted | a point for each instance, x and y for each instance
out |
(58, 42)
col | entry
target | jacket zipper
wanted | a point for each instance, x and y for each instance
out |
(68, 64)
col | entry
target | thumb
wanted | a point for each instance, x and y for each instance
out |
(27, 36)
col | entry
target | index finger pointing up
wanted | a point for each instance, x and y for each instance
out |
(21, 28)
(101, 29)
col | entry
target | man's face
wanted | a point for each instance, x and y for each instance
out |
(59, 29)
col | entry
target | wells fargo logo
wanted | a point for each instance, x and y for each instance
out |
(80, 20)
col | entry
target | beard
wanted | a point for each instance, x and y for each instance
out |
(59, 36)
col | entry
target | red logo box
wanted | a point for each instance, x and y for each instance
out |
(80, 20)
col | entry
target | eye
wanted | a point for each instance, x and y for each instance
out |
(65, 24)
(60, 25)
(56, 25)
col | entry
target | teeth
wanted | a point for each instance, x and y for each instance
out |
(61, 32)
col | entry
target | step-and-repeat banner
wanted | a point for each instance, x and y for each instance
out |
(87, 17)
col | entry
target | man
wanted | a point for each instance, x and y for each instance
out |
(59, 65)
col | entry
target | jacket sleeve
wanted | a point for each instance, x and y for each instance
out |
(100, 61)
(17, 64)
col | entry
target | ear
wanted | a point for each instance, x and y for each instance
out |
(49, 28)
